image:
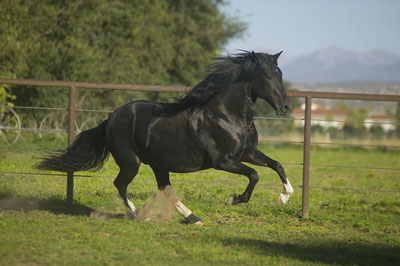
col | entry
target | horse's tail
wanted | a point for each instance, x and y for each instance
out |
(88, 151)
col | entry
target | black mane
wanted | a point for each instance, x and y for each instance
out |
(225, 71)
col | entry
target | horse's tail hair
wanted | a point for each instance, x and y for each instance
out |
(88, 151)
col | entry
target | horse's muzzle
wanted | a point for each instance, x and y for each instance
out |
(283, 110)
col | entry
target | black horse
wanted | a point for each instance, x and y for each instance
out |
(211, 127)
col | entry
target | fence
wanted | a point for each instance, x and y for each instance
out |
(307, 95)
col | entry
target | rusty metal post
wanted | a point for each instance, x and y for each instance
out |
(306, 155)
(71, 136)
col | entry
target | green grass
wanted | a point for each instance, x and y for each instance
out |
(345, 227)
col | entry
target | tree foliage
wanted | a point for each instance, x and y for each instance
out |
(397, 116)
(6, 97)
(354, 123)
(137, 41)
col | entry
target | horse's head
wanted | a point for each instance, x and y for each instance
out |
(267, 81)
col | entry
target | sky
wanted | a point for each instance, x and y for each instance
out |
(300, 27)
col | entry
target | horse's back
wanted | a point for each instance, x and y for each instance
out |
(163, 141)
(119, 132)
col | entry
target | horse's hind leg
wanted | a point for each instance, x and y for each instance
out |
(163, 182)
(126, 174)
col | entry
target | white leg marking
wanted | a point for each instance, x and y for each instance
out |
(286, 193)
(131, 206)
(182, 209)
(288, 187)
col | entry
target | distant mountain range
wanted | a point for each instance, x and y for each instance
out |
(333, 65)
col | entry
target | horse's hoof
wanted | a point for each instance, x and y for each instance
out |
(193, 219)
(233, 200)
(279, 201)
(131, 215)
(283, 198)
(199, 223)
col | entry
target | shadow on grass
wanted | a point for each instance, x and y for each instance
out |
(54, 204)
(323, 251)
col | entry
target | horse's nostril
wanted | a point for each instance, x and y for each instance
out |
(285, 108)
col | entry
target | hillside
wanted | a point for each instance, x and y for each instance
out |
(333, 65)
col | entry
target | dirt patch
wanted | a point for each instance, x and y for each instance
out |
(160, 207)
(19, 204)
(100, 215)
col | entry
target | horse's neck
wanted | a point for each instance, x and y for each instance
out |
(236, 102)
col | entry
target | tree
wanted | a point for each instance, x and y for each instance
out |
(354, 123)
(138, 41)
(397, 115)
(6, 97)
(377, 131)
(341, 105)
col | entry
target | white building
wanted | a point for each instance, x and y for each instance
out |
(336, 117)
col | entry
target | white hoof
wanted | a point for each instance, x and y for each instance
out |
(286, 193)
(199, 223)
(283, 198)
(278, 201)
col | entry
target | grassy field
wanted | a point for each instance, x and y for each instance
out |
(345, 227)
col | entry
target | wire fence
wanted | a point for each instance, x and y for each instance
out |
(230, 183)
(65, 131)
(306, 119)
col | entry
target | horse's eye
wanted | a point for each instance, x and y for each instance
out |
(267, 76)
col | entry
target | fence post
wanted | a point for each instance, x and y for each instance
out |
(306, 155)
(71, 136)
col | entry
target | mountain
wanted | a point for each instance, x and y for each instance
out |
(333, 65)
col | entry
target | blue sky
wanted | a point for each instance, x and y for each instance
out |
(302, 26)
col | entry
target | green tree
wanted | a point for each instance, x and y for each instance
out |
(341, 105)
(138, 41)
(377, 131)
(397, 115)
(354, 124)
(6, 97)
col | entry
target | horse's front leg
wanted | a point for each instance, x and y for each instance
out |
(239, 168)
(259, 158)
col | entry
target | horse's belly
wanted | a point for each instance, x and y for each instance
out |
(178, 157)
(167, 144)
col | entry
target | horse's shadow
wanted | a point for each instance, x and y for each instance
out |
(326, 252)
(54, 204)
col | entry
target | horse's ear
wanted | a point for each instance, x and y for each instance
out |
(254, 57)
(276, 56)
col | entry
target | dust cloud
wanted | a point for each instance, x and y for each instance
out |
(160, 207)
(19, 204)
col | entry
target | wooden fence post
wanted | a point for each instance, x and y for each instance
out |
(71, 136)
(306, 155)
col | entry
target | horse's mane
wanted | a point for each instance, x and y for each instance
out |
(225, 71)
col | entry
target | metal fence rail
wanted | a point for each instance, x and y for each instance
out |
(92, 85)
(307, 95)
